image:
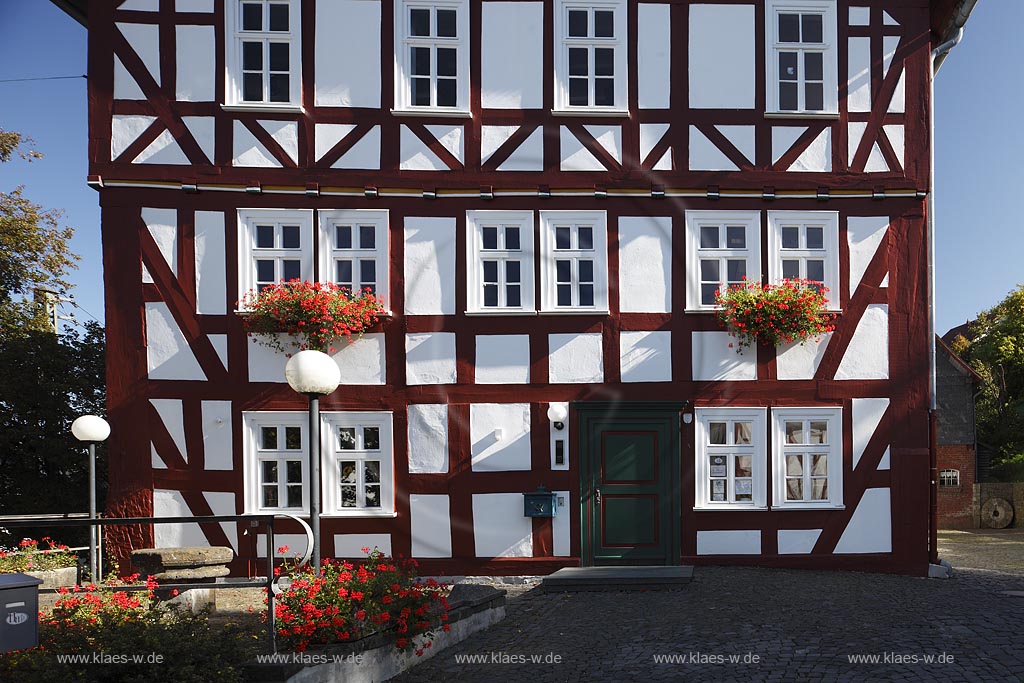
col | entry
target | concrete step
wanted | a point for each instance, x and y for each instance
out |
(617, 578)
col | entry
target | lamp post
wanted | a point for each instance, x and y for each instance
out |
(314, 374)
(91, 429)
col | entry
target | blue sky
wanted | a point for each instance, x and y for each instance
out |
(979, 144)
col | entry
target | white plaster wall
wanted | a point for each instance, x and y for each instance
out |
(743, 139)
(124, 130)
(194, 5)
(430, 358)
(870, 528)
(575, 359)
(654, 54)
(722, 60)
(574, 156)
(266, 364)
(220, 346)
(645, 356)
(168, 503)
(797, 541)
(203, 131)
(867, 356)
(864, 234)
(196, 52)
(125, 86)
(499, 527)
(211, 263)
(248, 151)
(145, 40)
(645, 264)
(609, 137)
(363, 154)
(729, 542)
(499, 436)
(163, 150)
(363, 361)
(512, 55)
(451, 138)
(415, 155)
(428, 438)
(171, 414)
(801, 361)
(168, 355)
(561, 529)
(528, 156)
(860, 16)
(431, 525)
(351, 545)
(296, 545)
(503, 359)
(866, 414)
(714, 360)
(141, 5)
(859, 74)
(217, 435)
(817, 158)
(163, 226)
(328, 135)
(285, 134)
(429, 266)
(347, 51)
(223, 503)
(783, 138)
(705, 155)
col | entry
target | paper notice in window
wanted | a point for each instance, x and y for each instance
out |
(718, 489)
(718, 471)
(743, 486)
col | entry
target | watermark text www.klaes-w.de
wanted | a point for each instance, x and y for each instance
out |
(901, 658)
(111, 658)
(707, 658)
(500, 657)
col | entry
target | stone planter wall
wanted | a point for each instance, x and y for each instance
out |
(55, 578)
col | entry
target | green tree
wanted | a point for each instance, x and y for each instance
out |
(996, 351)
(34, 249)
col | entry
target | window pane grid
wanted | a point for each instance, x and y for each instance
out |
(265, 51)
(277, 253)
(502, 265)
(803, 251)
(281, 467)
(722, 259)
(358, 454)
(355, 257)
(590, 48)
(800, 47)
(433, 45)
(806, 450)
(730, 453)
(575, 260)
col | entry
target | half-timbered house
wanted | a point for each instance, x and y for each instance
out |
(546, 195)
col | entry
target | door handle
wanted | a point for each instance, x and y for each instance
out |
(597, 496)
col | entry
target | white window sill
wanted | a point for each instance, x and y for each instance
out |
(500, 312)
(360, 513)
(801, 115)
(265, 107)
(730, 507)
(701, 310)
(591, 111)
(807, 506)
(576, 311)
(439, 113)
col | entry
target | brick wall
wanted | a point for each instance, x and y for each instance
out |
(956, 503)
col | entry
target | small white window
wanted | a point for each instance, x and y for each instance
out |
(276, 456)
(500, 262)
(807, 457)
(730, 452)
(358, 464)
(723, 248)
(805, 245)
(590, 56)
(273, 246)
(354, 250)
(801, 57)
(574, 262)
(949, 478)
(432, 56)
(263, 54)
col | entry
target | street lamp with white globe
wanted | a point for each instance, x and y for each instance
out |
(314, 374)
(92, 429)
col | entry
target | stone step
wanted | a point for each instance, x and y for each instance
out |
(617, 578)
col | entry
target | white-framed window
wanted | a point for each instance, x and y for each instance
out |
(500, 262)
(358, 468)
(730, 465)
(574, 261)
(802, 60)
(723, 248)
(354, 250)
(590, 56)
(805, 245)
(807, 457)
(264, 42)
(432, 56)
(276, 461)
(949, 478)
(274, 245)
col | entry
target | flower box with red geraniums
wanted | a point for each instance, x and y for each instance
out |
(347, 602)
(55, 563)
(792, 311)
(314, 314)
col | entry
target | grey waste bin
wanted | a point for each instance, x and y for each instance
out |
(19, 611)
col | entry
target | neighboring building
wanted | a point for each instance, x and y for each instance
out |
(547, 195)
(956, 386)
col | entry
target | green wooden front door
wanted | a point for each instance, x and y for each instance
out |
(629, 456)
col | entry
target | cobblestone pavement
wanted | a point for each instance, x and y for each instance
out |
(800, 625)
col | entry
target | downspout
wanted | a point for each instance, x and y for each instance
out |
(937, 57)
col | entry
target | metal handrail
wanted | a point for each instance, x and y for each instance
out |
(266, 519)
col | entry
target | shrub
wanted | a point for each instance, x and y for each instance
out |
(29, 557)
(314, 313)
(346, 602)
(793, 310)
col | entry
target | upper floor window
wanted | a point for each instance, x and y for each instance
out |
(802, 63)
(730, 466)
(276, 458)
(354, 250)
(574, 261)
(273, 246)
(500, 267)
(263, 54)
(590, 55)
(723, 249)
(432, 56)
(359, 479)
(949, 478)
(808, 457)
(805, 245)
